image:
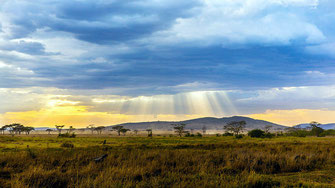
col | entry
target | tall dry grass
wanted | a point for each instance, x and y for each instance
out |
(249, 163)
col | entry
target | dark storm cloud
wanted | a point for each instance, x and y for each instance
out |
(168, 45)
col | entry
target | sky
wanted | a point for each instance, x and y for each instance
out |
(105, 62)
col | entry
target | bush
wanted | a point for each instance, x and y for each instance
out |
(218, 135)
(299, 133)
(67, 145)
(227, 134)
(256, 133)
(189, 135)
(329, 132)
(67, 135)
(317, 131)
(269, 135)
(199, 135)
(239, 136)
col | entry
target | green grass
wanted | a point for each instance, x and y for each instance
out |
(167, 162)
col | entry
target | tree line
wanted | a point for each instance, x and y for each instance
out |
(234, 128)
(16, 128)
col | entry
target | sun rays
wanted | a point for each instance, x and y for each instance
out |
(67, 109)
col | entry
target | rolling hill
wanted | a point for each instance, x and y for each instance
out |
(324, 126)
(211, 123)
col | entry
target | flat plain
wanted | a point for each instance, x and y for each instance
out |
(166, 161)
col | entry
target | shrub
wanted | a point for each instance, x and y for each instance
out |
(67, 135)
(256, 133)
(187, 134)
(199, 135)
(67, 145)
(269, 135)
(239, 136)
(329, 132)
(218, 134)
(317, 131)
(227, 134)
(299, 133)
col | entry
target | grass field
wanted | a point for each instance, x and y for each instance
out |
(41, 161)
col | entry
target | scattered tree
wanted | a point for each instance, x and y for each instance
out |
(99, 129)
(135, 131)
(236, 127)
(59, 128)
(316, 129)
(149, 132)
(204, 129)
(28, 129)
(2, 129)
(17, 128)
(118, 129)
(179, 129)
(49, 131)
(267, 128)
(91, 127)
(124, 131)
(71, 128)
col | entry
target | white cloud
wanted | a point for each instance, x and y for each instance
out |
(227, 22)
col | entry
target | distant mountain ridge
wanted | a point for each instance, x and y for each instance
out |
(324, 126)
(211, 123)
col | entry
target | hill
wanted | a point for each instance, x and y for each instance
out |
(324, 126)
(211, 123)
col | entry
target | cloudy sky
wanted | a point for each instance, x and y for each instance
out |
(111, 61)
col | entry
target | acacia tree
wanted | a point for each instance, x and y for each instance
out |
(17, 128)
(135, 131)
(267, 128)
(204, 129)
(28, 129)
(49, 130)
(117, 128)
(2, 129)
(316, 129)
(91, 127)
(59, 128)
(179, 129)
(149, 132)
(236, 127)
(9, 128)
(71, 128)
(124, 131)
(99, 129)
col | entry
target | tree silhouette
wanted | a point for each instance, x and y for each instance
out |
(135, 131)
(117, 128)
(236, 127)
(17, 128)
(179, 129)
(49, 130)
(28, 129)
(71, 128)
(91, 127)
(124, 131)
(2, 129)
(149, 132)
(316, 129)
(267, 128)
(204, 129)
(59, 128)
(99, 129)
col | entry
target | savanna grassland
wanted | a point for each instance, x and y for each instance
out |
(210, 161)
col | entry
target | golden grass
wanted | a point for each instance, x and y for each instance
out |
(167, 162)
